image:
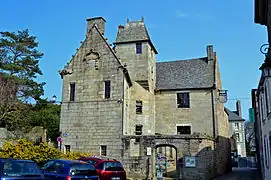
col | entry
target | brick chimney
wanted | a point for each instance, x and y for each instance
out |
(238, 108)
(99, 21)
(210, 53)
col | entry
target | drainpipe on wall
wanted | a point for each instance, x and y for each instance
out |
(214, 129)
(122, 104)
(213, 114)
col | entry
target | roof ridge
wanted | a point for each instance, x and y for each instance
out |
(230, 112)
(124, 70)
(200, 58)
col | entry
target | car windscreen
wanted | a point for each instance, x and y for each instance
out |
(113, 166)
(83, 169)
(20, 168)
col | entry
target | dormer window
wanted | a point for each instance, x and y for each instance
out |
(138, 48)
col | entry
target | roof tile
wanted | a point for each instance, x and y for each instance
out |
(233, 116)
(185, 74)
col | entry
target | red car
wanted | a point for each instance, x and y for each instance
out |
(107, 169)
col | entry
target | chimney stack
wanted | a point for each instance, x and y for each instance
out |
(99, 21)
(210, 53)
(238, 108)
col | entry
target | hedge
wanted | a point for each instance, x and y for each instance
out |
(23, 149)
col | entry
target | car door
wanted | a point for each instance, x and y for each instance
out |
(47, 170)
(99, 169)
(59, 170)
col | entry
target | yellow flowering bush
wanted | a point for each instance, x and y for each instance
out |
(23, 149)
(75, 155)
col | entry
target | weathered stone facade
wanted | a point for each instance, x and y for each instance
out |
(91, 120)
(142, 109)
(198, 116)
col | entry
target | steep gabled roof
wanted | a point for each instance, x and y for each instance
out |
(233, 116)
(68, 70)
(124, 70)
(185, 74)
(134, 31)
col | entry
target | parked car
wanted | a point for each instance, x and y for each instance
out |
(19, 169)
(107, 169)
(68, 170)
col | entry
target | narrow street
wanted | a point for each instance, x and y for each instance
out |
(240, 174)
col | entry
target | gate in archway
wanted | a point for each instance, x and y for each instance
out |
(165, 161)
(173, 156)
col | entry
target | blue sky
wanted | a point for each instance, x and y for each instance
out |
(179, 29)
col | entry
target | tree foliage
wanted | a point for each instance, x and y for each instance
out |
(47, 115)
(19, 68)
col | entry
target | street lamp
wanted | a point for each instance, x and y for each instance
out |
(54, 99)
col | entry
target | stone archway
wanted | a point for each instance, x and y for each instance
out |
(165, 160)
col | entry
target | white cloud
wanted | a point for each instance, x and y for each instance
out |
(200, 16)
(180, 14)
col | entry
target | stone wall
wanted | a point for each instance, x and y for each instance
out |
(91, 120)
(199, 115)
(142, 67)
(222, 145)
(205, 168)
(136, 167)
(190, 145)
(36, 135)
(209, 161)
(147, 119)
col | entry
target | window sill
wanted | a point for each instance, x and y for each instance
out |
(183, 108)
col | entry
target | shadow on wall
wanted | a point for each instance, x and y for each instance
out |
(210, 162)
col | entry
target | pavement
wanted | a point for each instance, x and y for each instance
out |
(240, 174)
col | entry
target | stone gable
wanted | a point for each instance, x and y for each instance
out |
(91, 120)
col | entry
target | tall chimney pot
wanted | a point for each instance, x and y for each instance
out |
(99, 21)
(238, 108)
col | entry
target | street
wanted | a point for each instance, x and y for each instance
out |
(240, 174)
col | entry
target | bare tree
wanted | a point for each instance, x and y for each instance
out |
(250, 137)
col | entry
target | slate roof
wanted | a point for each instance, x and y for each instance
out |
(132, 32)
(185, 74)
(233, 116)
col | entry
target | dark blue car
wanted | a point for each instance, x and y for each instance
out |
(19, 169)
(68, 170)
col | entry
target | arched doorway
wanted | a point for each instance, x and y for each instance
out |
(165, 161)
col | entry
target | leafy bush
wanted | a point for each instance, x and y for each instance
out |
(75, 155)
(23, 149)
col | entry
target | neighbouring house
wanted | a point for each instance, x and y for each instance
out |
(263, 119)
(237, 129)
(261, 102)
(119, 102)
(258, 133)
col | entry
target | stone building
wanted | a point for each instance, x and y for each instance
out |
(237, 128)
(119, 102)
